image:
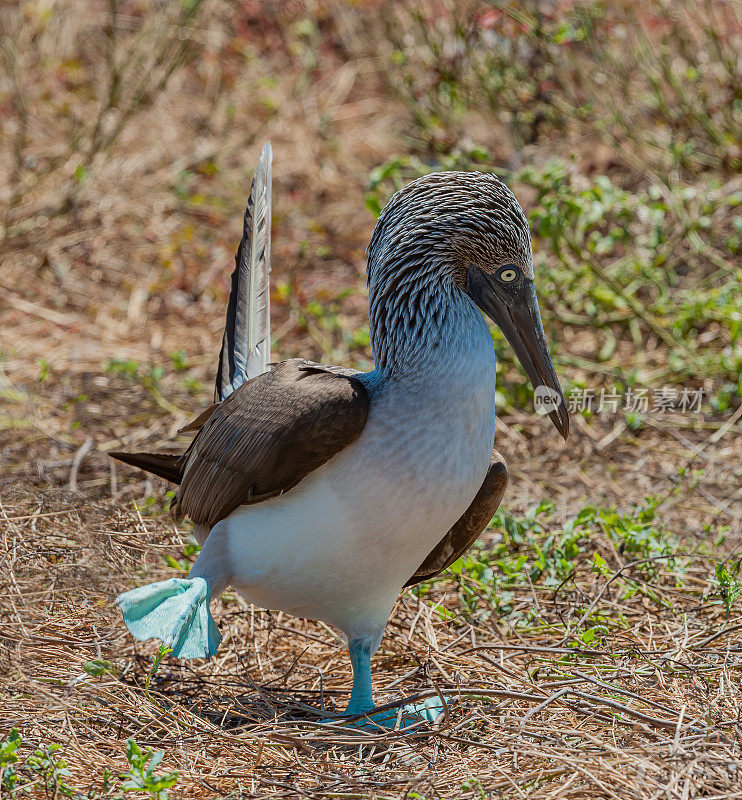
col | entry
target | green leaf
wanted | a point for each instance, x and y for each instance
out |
(140, 776)
(588, 636)
(728, 587)
(99, 666)
(8, 748)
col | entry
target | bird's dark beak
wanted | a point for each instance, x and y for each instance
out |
(515, 311)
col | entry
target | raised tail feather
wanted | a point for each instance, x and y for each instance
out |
(174, 611)
(246, 344)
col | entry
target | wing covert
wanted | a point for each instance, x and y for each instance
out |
(268, 435)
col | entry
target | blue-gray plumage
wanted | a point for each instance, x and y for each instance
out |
(323, 491)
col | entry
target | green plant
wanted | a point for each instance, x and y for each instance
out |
(179, 359)
(188, 550)
(8, 759)
(532, 551)
(487, 579)
(99, 666)
(47, 770)
(540, 69)
(473, 786)
(729, 588)
(150, 379)
(162, 651)
(44, 768)
(53, 771)
(636, 532)
(141, 775)
(612, 258)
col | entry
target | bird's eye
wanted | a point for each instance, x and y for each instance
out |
(507, 274)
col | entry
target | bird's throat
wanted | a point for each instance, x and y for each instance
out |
(429, 326)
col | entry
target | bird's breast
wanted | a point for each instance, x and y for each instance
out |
(431, 440)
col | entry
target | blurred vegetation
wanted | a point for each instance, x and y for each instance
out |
(617, 124)
(658, 81)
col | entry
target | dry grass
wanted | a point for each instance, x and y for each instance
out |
(126, 151)
(648, 710)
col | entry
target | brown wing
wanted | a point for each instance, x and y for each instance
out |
(472, 522)
(268, 435)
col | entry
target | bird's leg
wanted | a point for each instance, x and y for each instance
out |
(361, 697)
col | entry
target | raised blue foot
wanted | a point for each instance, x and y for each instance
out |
(174, 611)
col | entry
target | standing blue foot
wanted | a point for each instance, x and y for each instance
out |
(175, 611)
(425, 711)
(362, 702)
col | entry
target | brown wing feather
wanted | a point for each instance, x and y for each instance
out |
(200, 420)
(166, 465)
(471, 523)
(267, 436)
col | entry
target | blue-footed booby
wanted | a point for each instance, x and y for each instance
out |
(323, 491)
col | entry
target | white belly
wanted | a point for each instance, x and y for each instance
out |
(340, 545)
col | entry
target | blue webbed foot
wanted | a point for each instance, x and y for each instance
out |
(423, 711)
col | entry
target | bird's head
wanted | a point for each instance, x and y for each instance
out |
(466, 230)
